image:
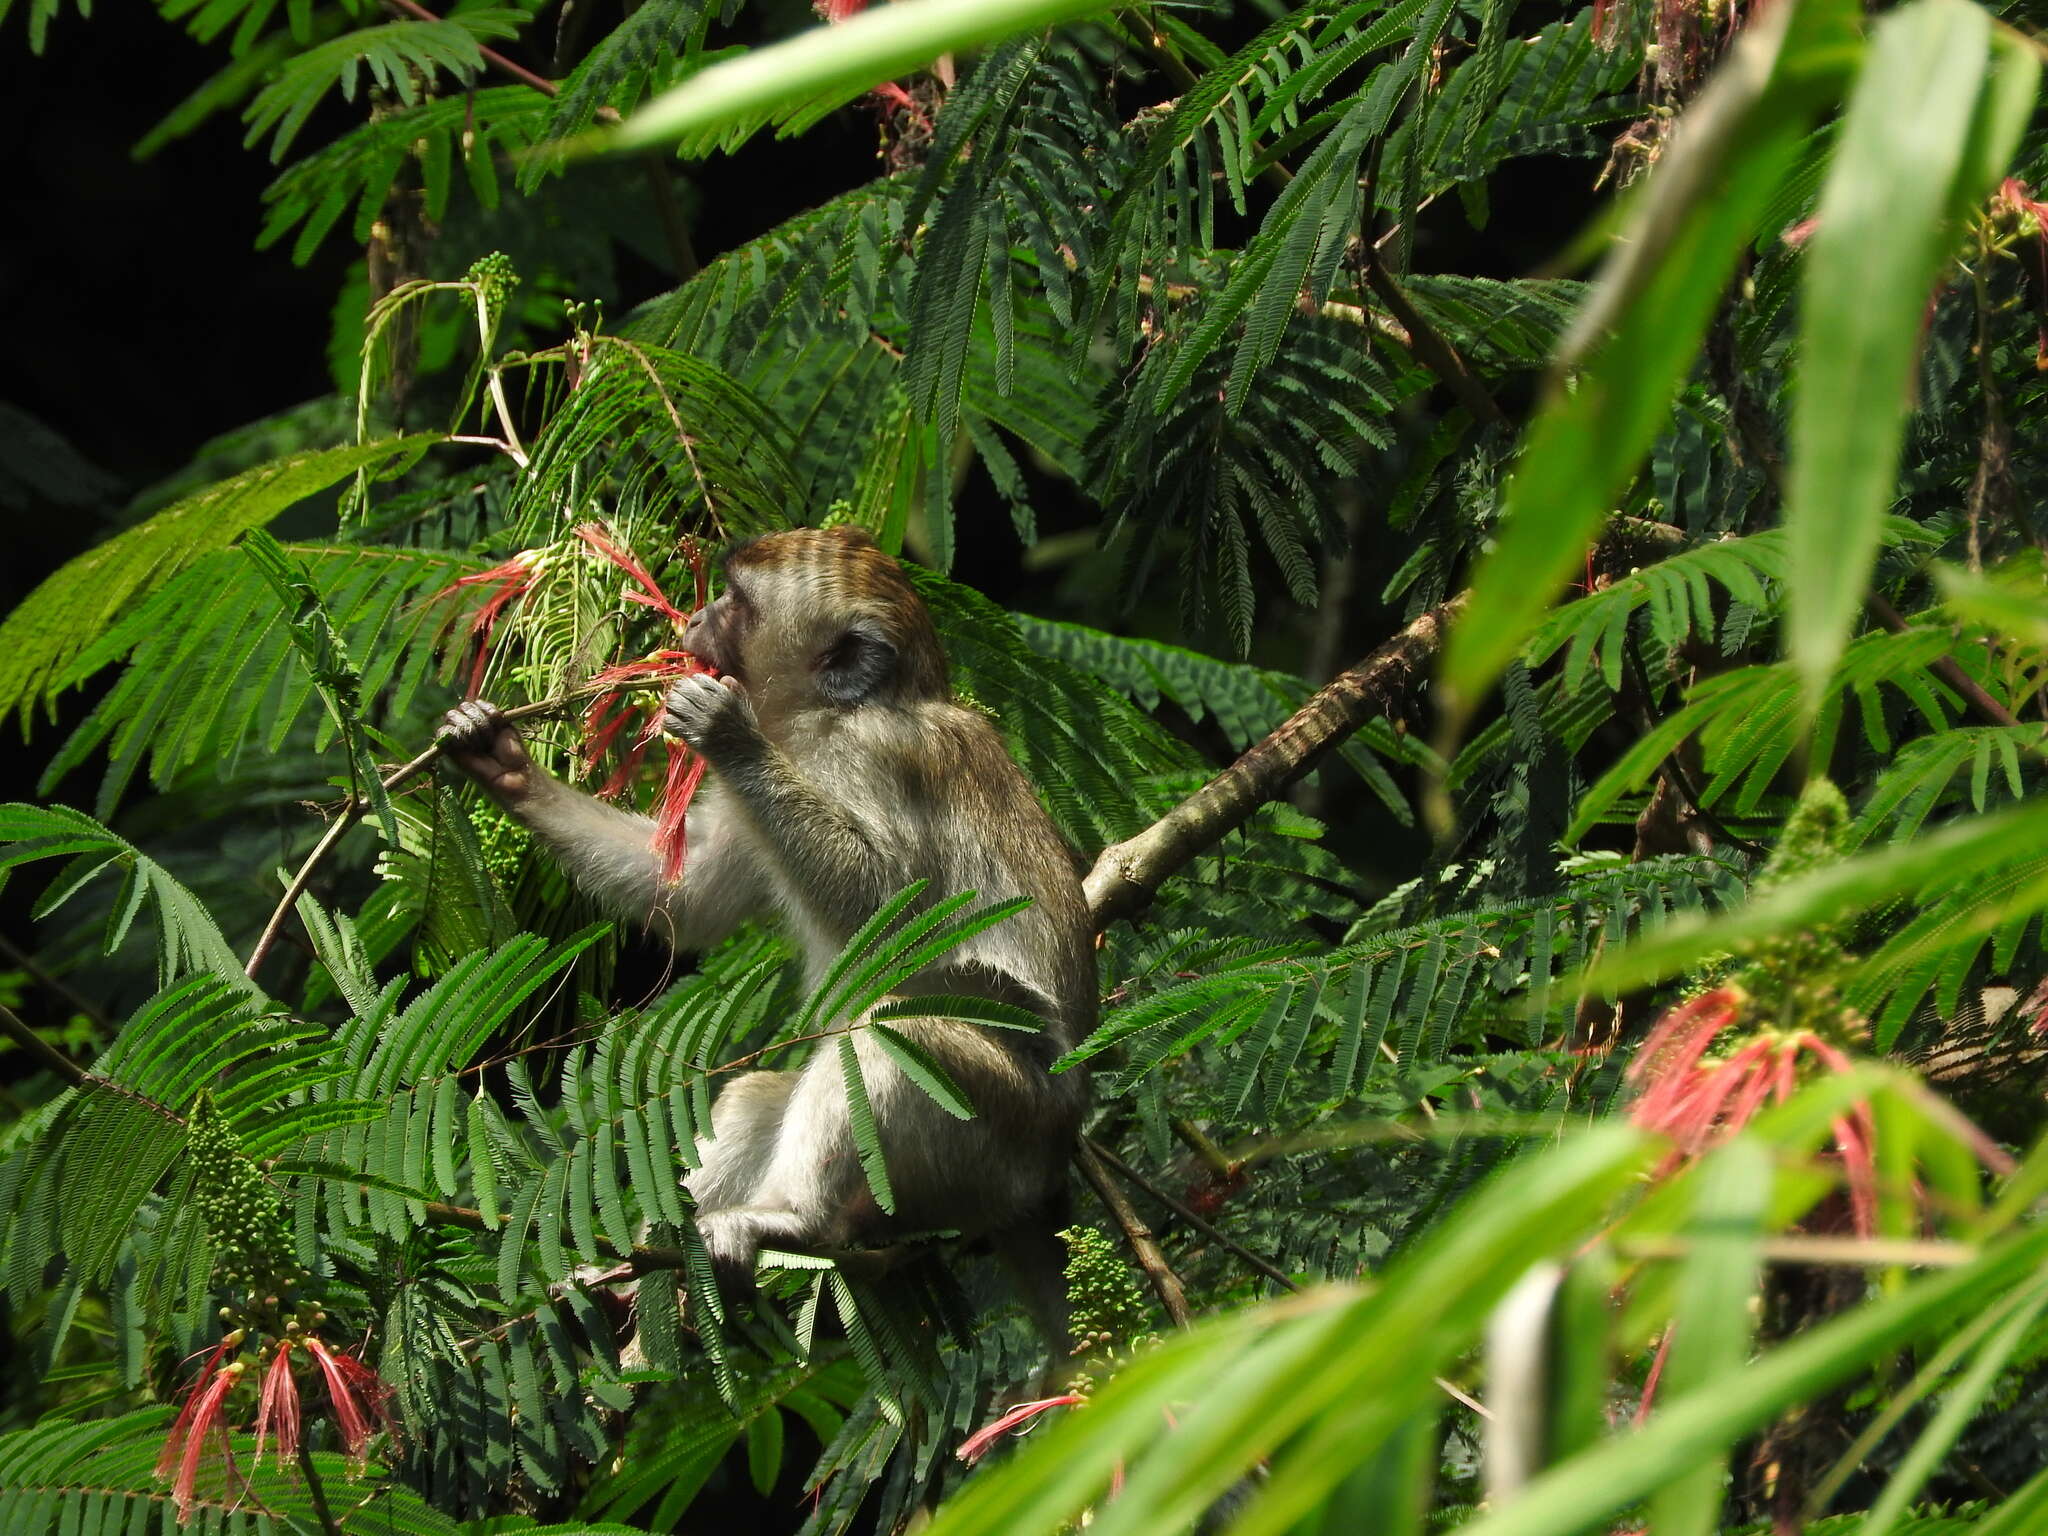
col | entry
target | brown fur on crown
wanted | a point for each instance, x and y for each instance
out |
(851, 570)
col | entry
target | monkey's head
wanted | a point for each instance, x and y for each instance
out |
(820, 615)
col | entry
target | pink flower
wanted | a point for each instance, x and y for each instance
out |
(978, 1444)
(203, 1418)
(279, 1407)
(1698, 1102)
(357, 1394)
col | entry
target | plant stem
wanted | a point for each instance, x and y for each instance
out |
(1430, 348)
(1944, 667)
(317, 1491)
(55, 985)
(1144, 1246)
(353, 810)
(1125, 1171)
(491, 56)
(46, 1055)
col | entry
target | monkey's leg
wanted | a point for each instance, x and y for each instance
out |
(746, 1120)
(810, 1192)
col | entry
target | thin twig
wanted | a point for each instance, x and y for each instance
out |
(1430, 347)
(46, 1055)
(82, 1078)
(353, 810)
(490, 56)
(668, 212)
(54, 984)
(1144, 1246)
(1215, 1234)
(1944, 667)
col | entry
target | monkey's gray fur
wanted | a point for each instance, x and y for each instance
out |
(840, 769)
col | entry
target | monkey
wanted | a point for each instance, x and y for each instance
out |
(840, 768)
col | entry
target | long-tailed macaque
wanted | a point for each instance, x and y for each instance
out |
(840, 769)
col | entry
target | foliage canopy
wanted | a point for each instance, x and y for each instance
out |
(1623, 1033)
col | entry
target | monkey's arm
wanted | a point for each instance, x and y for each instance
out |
(843, 870)
(609, 852)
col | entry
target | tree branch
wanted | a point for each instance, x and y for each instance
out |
(1144, 1246)
(1127, 874)
(1215, 1234)
(352, 812)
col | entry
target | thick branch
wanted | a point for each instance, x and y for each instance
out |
(1166, 1284)
(1128, 873)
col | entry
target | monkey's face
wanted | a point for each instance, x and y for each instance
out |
(813, 617)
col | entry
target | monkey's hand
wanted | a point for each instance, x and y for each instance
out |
(479, 740)
(713, 715)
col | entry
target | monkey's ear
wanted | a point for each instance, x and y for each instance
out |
(856, 664)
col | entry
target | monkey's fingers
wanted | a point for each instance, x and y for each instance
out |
(470, 725)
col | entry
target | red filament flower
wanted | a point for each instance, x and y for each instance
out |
(978, 1444)
(650, 595)
(278, 1408)
(509, 581)
(203, 1418)
(1698, 1101)
(360, 1401)
(611, 712)
(357, 1394)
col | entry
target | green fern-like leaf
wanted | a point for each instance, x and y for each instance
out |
(188, 941)
(353, 176)
(647, 51)
(397, 57)
(210, 677)
(71, 609)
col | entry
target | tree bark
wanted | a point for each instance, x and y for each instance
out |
(1127, 874)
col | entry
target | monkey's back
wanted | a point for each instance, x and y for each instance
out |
(938, 793)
